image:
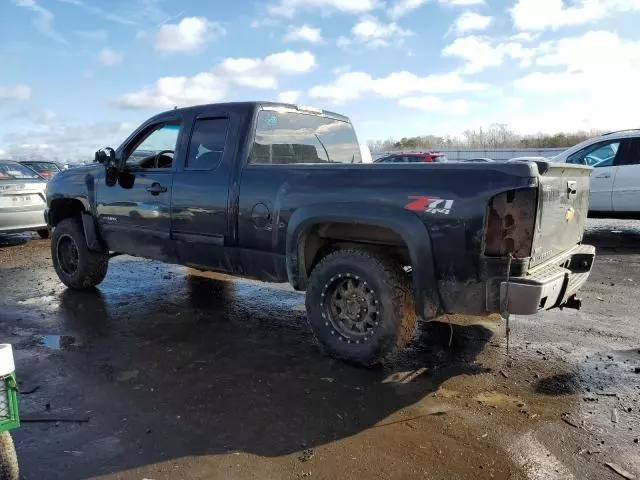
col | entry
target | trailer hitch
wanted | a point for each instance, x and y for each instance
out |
(573, 302)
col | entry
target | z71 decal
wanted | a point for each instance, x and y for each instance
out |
(432, 205)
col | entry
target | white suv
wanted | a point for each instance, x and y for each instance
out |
(615, 181)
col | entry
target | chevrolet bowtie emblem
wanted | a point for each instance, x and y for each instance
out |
(571, 213)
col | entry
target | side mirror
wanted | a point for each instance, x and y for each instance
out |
(106, 156)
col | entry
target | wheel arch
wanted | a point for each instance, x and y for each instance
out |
(62, 208)
(393, 224)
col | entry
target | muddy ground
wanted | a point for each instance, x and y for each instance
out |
(165, 374)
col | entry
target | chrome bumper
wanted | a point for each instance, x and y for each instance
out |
(549, 285)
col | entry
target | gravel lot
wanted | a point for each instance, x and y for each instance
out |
(163, 373)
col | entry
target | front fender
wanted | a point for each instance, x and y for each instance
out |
(406, 224)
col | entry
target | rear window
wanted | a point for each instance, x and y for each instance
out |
(15, 171)
(288, 137)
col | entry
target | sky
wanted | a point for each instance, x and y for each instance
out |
(76, 75)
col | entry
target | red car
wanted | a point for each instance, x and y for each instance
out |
(422, 157)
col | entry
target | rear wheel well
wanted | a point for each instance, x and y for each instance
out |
(64, 208)
(325, 238)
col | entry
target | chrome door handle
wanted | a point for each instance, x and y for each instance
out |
(604, 175)
(156, 189)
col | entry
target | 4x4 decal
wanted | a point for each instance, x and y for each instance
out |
(433, 205)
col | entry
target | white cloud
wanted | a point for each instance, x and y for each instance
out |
(289, 96)
(462, 3)
(353, 85)
(589, 61)
(189, 35)
(93, 35)
(341, 69)
(305, 33)
(264, 22)
(43, 21)
(572, 96)
(288, 8)
(213, 86)
(109, 58)
(469, 21)
(524, 37)
(553, 14)
(433, 104)
(168, 92)
(343, 41)
(372, 33)
(479, 53)
(62, 140)
(402, 7)
(16, 92)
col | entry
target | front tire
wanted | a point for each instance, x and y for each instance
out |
(76, 265)
(360, 306)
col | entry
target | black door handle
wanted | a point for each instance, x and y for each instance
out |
(156, 189)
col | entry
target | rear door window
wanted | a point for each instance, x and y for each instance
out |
(207, 143)
(630, 153)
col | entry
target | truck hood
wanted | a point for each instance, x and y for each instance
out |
(72, 183)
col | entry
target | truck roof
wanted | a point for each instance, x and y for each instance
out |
(252, 105)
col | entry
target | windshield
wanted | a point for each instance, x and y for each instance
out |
(286, 137)
(15, 171)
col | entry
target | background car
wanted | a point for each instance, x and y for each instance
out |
(22, 199)
(413, 157)
(43, 168)
(615, 182)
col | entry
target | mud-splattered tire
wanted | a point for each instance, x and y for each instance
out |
(43, 233)
(8, 458)
(76, 265)
(360, 306)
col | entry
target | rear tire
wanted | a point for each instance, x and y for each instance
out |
(43, 233)
(360, 306)
(76, 265)
(8, 459)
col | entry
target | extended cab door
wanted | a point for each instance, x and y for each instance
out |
(199, 221)
(602, 156)
(626, 185)
(135, 213)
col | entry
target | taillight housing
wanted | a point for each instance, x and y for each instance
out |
(509, 225)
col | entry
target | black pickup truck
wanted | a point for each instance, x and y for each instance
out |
(278, 193)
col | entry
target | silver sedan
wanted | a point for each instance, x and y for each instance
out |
(22, 199)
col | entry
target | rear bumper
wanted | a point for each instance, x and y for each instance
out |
(22, 219)
(549, 285)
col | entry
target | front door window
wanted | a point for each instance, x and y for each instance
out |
(156, 149)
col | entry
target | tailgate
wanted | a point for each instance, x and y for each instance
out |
(563, 204)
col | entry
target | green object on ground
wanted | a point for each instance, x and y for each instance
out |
(9, 415)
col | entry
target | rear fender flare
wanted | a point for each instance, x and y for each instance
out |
(406, 224)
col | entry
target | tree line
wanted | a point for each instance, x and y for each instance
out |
(494, 137)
